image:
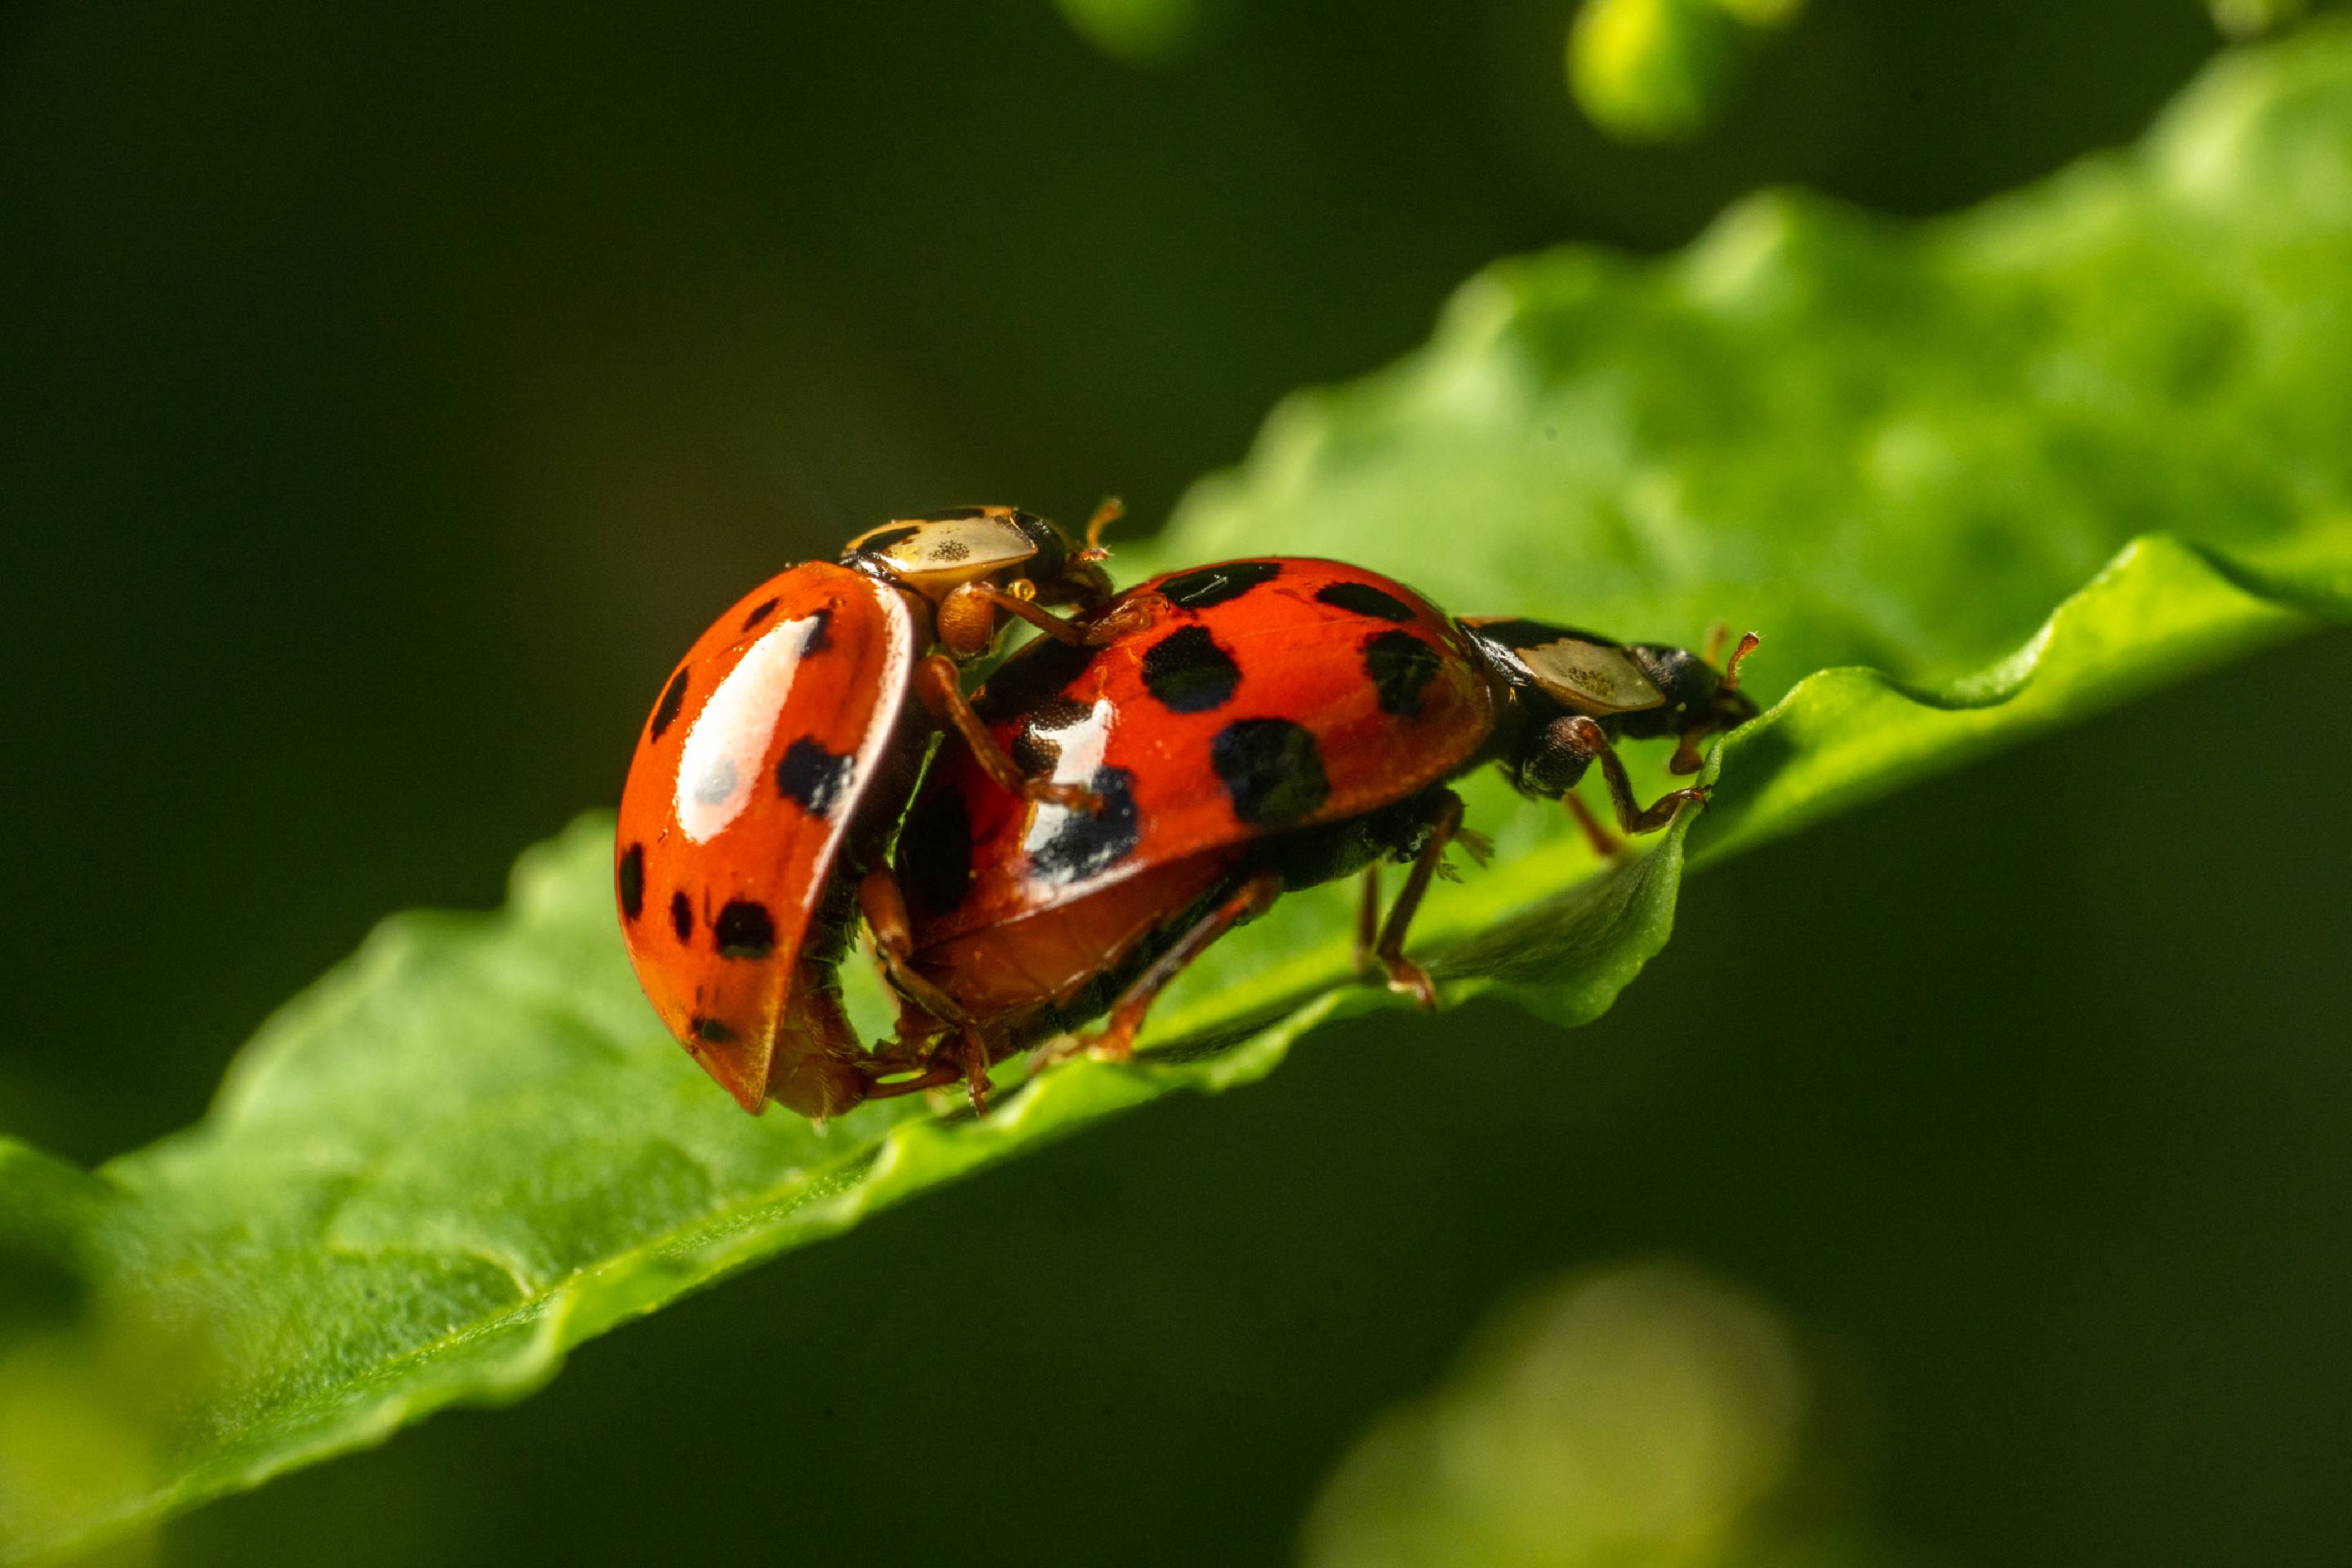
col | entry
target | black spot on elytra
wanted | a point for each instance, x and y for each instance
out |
(681, 915)
(935, 852)
(1363, 599)
(818, 638)
(711, 1031)
(1036, 673)
(1401, 666)
(744, 929)
(811, 776)
(1034, 750)
(1272, 769)
(1187, 672)
(759, 612)
(673, 698)
(876, 543)
(1216, 584)
(631, 878)
(1084, 844)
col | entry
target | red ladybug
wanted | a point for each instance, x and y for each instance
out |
(1255, 726)
(776, 765)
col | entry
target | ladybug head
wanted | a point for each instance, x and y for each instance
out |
(995, 547)
(971, 562)
(1700, 699)
(1067, 573)
(1562, 683)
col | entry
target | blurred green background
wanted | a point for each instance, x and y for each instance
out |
(385, 398)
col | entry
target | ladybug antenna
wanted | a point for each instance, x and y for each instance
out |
(1748, 643)
(1111, 509)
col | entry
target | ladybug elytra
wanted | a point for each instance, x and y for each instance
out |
(776, 765)
(1251, 727)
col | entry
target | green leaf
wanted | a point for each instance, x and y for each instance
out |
(1661, 70)
(1639, 1415)
(1891, 445)
(1144, 34)
(2251, 18)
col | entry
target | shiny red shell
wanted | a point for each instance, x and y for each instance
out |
(1258, 697)
(743, 785)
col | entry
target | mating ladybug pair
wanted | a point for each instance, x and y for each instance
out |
(1122, 790)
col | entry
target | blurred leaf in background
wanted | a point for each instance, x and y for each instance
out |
(1635, 1416)
(2251, 18)
(1145, 33)
(1662, 70)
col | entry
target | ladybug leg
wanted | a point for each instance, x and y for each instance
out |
(971, 1063)
(1020, 607)
(936, 684)
(1117, 1040)
(1588, 739)
(967, 1065)
(1368, 918)
(1605, 844)
(885, 909)
(913, 1048)
(818, 1070)
(921, 1002)
(965, 623)
(939, 1075)
(917, 1033)
(1097, 632)
(1404, 975)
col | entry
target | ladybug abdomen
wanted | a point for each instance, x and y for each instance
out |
(1042, 964)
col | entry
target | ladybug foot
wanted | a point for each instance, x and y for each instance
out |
(1110, 1045)
(1122, 620)
(1668, 806)
(1113, 1044)
(1477, 847)
(1407, 978)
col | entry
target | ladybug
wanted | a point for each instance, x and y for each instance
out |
(776, 764)
(1255, 726)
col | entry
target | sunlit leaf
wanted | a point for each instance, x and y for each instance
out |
(1637, 1417)
(1143, 33)
(1662, 70)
